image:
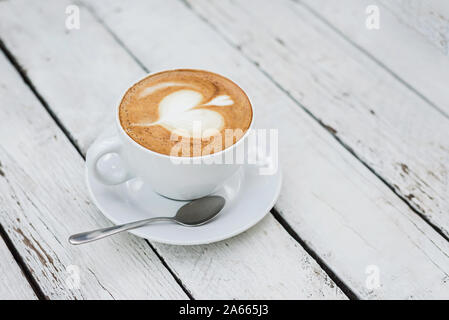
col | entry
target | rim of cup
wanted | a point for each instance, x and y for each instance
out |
(215, 154)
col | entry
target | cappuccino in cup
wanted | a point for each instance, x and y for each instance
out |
(177, 114)
(185, 112)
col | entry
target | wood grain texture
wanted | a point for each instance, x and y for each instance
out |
(262, 263)
(334, 203)
(394, 44)
(13, 284)
(430, 18)
(44, 200)
(385, 124)
(79, 74)
(340, 209)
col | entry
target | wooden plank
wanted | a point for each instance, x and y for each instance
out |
(14, 285)
(236, 268)
(340, 209)
(403, 51)
(392, 130)
(44, 200)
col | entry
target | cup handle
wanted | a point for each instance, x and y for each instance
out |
(98, 150)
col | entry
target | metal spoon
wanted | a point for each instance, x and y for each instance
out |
(195, 213)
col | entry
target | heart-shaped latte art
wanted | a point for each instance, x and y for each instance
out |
(177, 114)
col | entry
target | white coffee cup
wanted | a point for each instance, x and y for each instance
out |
(169, 178)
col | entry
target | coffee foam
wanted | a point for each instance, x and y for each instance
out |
(192, 104)
(177, 113)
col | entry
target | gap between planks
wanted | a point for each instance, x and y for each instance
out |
(373, 58)
(22, 265)
(340, 283)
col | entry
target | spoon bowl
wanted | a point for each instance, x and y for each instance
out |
(200, 211)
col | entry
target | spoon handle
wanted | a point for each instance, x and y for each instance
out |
(93, 235)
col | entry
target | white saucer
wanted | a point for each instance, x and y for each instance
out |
(249, 197)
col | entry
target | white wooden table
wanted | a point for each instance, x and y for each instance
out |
(363, 119)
